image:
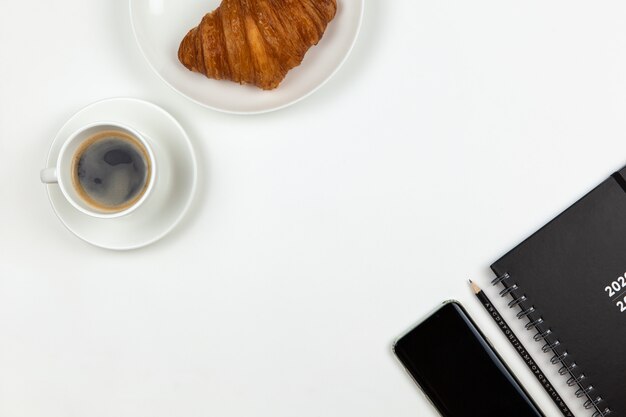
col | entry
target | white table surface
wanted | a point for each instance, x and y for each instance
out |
(320, 232)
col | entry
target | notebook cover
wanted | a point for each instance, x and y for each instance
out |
(564, 269)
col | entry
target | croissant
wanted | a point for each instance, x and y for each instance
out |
(255, 41)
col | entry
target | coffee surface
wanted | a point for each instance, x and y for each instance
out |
(111, 170)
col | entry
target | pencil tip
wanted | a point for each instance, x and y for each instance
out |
(475, 287)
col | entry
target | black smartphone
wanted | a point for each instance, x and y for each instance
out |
(458, 370)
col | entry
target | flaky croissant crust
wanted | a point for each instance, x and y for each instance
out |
(255, 41)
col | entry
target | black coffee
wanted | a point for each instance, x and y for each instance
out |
(111, 170)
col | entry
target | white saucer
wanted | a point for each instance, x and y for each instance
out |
(172, 195)
(160, 25)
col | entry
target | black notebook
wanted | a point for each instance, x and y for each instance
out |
(568, 281)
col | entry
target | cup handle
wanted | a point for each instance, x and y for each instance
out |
(49, 176)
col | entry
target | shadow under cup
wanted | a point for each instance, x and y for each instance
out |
(94, 167)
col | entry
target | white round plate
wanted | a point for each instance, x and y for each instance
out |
(160, 25)
(173, 192)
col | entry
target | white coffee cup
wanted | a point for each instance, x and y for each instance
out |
(62, 174)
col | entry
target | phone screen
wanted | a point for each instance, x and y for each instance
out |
(457, 369)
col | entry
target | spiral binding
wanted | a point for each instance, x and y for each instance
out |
(577, 378)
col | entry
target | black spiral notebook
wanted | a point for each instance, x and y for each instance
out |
(568, 282)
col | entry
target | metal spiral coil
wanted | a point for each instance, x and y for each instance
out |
(558, 358)
(516, 301)
(508, 290)
(541, 336)
(575, 380)
(567, 369)
(550, 346)
(606, 412)
(534, 323)
(501, 278)
(592, 402)
(581, 392)
(526, 312)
